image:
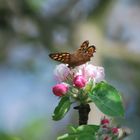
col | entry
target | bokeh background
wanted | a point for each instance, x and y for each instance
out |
(31, 29)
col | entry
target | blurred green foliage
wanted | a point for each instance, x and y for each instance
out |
(4, 136)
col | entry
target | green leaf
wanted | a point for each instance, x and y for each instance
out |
(87, 128)
(66, 137)
(62, 108)
(83, 132)
(84, 136)
(107, 99)
(72, 129)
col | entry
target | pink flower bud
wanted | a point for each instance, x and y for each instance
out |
(60, 89)
(79, 81)
(115, 130)
(107, 138)
(105, 121)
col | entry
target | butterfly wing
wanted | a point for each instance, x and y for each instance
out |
(87, 50)
(61, 57)
(90, 50)
(84, 46)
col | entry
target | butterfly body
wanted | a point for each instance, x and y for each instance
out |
(81, 56)
(77, 59)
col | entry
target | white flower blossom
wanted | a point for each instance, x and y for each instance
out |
(61, 72)
(90, 71)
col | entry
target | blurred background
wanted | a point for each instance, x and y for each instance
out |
(31, 29)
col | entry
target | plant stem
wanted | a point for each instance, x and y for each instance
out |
(83, 110)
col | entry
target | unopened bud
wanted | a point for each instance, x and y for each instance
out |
(115, 130)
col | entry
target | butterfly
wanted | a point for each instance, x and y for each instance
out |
(79, 57)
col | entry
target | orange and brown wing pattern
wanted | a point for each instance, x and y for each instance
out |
(90, 50)
(84, 46)
(61, 57)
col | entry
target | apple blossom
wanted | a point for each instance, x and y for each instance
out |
(100, 74)
(90, 71)
(61, 72)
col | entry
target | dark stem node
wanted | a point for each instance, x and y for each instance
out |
(83, 110)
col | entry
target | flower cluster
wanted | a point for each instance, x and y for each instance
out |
(76, 80)
(85, 84)
(106, 131)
